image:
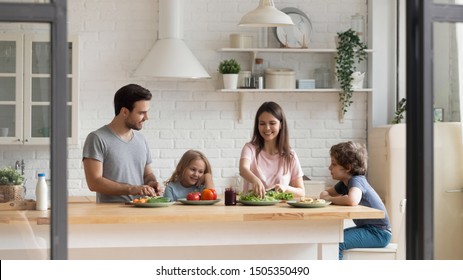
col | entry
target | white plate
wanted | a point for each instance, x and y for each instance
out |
(198, 202)
(297, 35)
(258, 203)
(299, 204)
(152, 205)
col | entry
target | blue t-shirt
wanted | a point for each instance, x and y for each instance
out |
(369, 198)
(175, 190)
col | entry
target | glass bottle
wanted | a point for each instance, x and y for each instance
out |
(258, 75)
(41, 193)
(358, 25)
(322, 78)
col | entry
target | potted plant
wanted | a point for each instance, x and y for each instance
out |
(229, 69)
(399, 113)
(350, 50)
(11, 187)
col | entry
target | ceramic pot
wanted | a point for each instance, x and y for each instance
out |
(230, 81)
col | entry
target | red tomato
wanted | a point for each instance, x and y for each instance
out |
(207, 194)
(193, 196)
(215, 193)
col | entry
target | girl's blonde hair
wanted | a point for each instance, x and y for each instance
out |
(185, 161)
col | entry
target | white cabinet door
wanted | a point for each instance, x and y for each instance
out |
(31, 105)
(11, 88)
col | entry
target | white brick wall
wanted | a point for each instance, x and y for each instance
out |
(114, 37)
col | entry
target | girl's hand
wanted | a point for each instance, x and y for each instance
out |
(200, 181)
(203, 179)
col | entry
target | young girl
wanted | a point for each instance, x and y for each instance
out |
(193, 173)
(349, 166)
(268, 162)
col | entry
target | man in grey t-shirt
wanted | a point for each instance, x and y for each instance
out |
(116, 157)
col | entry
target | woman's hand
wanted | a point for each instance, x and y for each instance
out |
(280, 188)
(259, 188)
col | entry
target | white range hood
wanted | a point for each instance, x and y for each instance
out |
(170, 57)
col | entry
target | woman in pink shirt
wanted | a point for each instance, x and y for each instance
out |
(267, 161)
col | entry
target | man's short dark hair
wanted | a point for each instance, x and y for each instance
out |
(127, 95)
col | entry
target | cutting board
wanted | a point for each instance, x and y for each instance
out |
(27, 204)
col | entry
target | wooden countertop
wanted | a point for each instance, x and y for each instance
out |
(84, 210)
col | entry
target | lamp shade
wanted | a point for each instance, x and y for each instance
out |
(266, 15)
(170, 57)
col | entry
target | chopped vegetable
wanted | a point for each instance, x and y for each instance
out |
(250, 196)
(280, 195)
(151, 199)
(158, 199)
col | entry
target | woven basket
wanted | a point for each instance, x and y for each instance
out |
(11, 193)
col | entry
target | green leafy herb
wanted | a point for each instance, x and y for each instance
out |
(250, 196)
(158, 199)
(280, 195)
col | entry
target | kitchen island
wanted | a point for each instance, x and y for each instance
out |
(117, 231)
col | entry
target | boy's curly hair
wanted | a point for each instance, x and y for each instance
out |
(351, 155)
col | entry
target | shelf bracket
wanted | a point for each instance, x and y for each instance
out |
(240, 106)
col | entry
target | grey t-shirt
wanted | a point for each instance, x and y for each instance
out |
(123, 162)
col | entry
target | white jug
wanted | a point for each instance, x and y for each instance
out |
(357, 80)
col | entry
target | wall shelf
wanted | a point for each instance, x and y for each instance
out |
(277, 50)
(280, 50)
(242, 92)
(253, 54)
(315, 90)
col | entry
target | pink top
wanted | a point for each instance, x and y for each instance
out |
(270, 168)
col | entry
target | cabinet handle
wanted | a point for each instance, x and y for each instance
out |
(18, 140)
(455, 190)
(26, 140)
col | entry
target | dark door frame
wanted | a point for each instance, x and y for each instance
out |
(421, 14)
(54, 13)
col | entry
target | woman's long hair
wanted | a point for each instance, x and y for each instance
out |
(284, 149)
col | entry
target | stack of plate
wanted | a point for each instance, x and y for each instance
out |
(305, 84)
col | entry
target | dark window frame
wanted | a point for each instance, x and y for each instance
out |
(421, 14)
(54, 13)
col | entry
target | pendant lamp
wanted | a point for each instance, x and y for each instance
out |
(266, 15)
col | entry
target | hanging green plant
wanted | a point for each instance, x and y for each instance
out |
(350, 50)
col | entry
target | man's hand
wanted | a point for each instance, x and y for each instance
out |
(143, 190)
(158, 189)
